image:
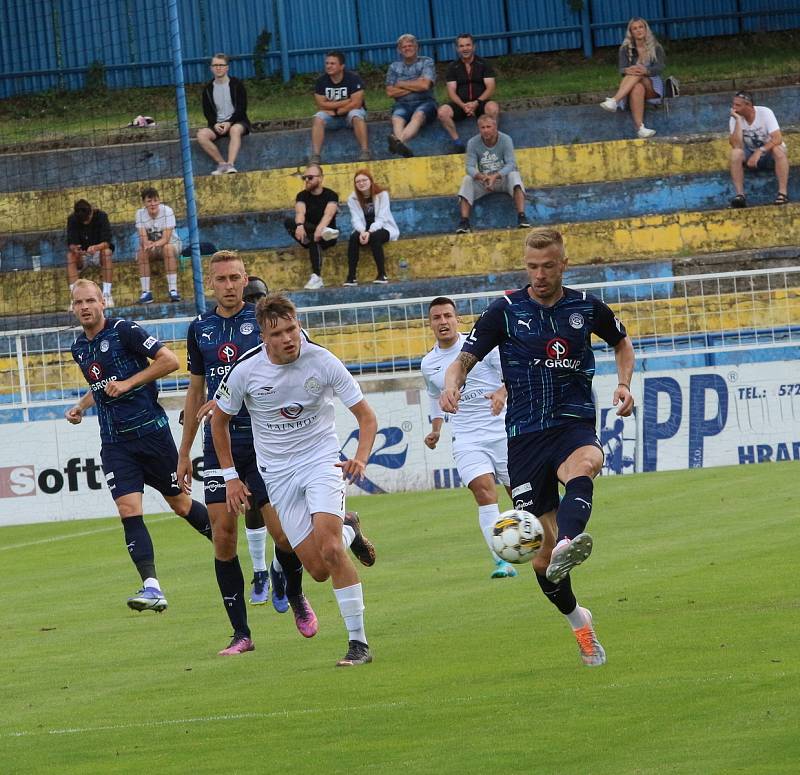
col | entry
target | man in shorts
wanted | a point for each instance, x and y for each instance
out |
(479, 429)
(121, 362)
(287, 385)
(491, 167)
(214, 341)
(756, 144)
(543, 332)
(155, 223)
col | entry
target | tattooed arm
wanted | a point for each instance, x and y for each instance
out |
(454, 379)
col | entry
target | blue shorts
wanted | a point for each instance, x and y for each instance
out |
(534, 458)
(150, 460)
(405, 110)
(340, 122)
(244, 458)
(765, 162)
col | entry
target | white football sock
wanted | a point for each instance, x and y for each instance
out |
(151, 582)
(351, 606)
(348, 534)
(487, 516)
(576, 619)
(172, 282)
(257, 544)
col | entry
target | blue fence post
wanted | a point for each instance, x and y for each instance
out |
(586, 29)
(186, 156)
(281, 7)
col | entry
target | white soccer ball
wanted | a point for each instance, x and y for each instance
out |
(517, 536)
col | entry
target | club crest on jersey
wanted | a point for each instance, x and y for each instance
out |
(576, 320)
(313, 386)
(247, 328)
(104, 345)
(292, 412)
(227, 352)
(557, 351)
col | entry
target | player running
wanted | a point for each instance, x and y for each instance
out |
(479, 430)
(121, 363)
(287, 385)
(214, 341)
(543, 332)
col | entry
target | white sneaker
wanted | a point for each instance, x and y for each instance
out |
(221, 169)
(609, 104)
(109, 300)
(314, 282)
(328, 233)
(644, 132)
(229, 169)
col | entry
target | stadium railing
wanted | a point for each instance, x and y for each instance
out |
(685, 315)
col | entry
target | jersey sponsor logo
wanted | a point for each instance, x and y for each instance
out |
(149, 342)
(576, 320)
(104, 345)
(558, 349)
(521, 489)
(95, 371)
(291, 412)
(263, 391)
(247, 328)
(313, 386)
(227, 352)
(222, 392)
(336, 93)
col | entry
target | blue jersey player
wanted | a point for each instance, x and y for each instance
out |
(543, 333)
(214, 341)
(121, 363)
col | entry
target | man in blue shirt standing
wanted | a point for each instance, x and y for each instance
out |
(543, 333)
(410, 83)
(121, 362)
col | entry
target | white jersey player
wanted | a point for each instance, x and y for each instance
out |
(288, 385)
(479, 431)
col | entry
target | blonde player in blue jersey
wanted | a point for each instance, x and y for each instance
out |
(543, 332)
(478, 429)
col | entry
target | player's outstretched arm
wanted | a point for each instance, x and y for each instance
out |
(454, 379)
(353, 469)
(624, 355)
(75, 413)
(236, 492)
(164, 362)
(194, 398)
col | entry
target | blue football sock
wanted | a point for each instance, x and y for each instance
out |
(575, 507)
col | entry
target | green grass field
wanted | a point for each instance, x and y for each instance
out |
(693, 586)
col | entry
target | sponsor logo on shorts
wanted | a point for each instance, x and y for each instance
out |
(292, 412)
(149, 342)
(227, 352)
(521, 504)
(521, 489)
(212, 485)
(247, 328)
(313, 386)
(576, 320)
(104, 345)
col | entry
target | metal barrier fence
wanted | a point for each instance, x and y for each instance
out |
(705, 313)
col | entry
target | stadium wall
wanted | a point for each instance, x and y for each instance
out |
(693, 411)
(46, 45)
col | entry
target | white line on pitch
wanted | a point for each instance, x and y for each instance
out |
(66, 536)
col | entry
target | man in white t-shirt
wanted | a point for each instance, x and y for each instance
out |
(287, 385)
(479, 432)
(756, 144)
(155, 223)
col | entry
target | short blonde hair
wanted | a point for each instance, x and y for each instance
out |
(82, 282)
(225, 255)
(541, 239)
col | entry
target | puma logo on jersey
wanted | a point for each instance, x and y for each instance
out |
(205, 333)
(526, 323)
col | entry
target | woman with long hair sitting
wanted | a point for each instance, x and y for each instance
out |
(373, 225)
(641, 62)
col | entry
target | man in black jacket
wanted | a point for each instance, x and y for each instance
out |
(225, 109)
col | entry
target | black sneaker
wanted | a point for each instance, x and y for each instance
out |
(357, 654)
(381, 280)
(398, 147)
(739, 201)
(522, 221)
(361, 547)
(463, 226)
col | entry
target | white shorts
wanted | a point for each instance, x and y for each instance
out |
(490, 458)
(298, 494)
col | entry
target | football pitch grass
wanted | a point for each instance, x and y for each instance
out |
(693, 587)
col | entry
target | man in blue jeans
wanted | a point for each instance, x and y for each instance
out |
(409, 82)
